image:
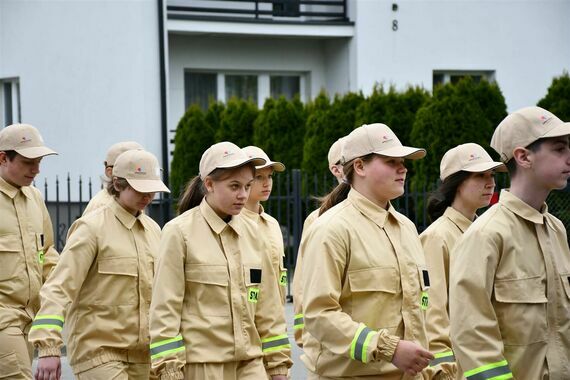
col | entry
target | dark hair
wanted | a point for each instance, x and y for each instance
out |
(195, 189)
(444, 195)
(121, 183)
(340, 192)
(10, 154)
(512, 163)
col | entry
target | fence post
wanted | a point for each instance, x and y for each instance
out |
(297, 212)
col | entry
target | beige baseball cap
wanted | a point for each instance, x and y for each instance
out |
(116, 149)
(25, 140)
(379, 139)
(335, 152)
(255, 152)
(225, 155)
(141, 170)
(468, 157)
(523, 127)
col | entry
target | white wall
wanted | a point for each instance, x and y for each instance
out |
(524, 41)
(89, 77)
(242, 54)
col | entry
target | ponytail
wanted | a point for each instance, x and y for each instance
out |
(442, 198)
(192, 196)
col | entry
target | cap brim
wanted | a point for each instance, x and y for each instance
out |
(240, 162)
(403, 152)
(560, 130)
(148, 185)
(484, 166)
(35, 152)
(277, 166)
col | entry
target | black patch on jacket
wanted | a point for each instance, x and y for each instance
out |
(255, 275)
(426, 277)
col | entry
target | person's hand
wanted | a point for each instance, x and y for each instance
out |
(49, 368)
(411, 358)
(279, 377)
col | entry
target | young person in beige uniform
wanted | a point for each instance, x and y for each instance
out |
(103, 198)
(216, 311)
(365, 282)
(27, 255)
(467, 173)
(335, 167)
(509, 285)
(101, 287)
(263, 228)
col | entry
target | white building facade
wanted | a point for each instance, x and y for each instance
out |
(89, 73)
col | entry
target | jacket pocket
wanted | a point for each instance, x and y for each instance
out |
(9, 365)
(425, 281)
(252, 276)
(374, 289)
(10, 255)
(207, 290)
(117, 281)
(521, 310)
(565, 278)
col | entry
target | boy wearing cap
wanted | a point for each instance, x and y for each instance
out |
(467, 184)
(101, 288)
(510, 272)
(103, 198)
(27, 255)
(335, 168)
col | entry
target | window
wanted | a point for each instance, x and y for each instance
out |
(9, 101)
(242, 87)
(285, 85)
(453, 76)
(200, 88)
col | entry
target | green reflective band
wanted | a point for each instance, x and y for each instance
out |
(166, 347)
(443, 357)
(298, 322)
(359, 346)
(283, 278)
(253, 295)
(494, 371)
(48, 322)
(275, 343)
(424, 301)
(41, 257)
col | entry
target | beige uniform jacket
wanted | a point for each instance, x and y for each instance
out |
(101, 199)
(438, 240)
(101, 289)
(266, 232)
(27, 255)
(365, 287)
(215, 298)
(298, 322)
(509, 295)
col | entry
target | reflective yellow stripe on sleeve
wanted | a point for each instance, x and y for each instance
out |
(442, 357)
(298, 322)
(494, 371)
(54, 322)
(275, 343)
(167, 347)
(359, 346)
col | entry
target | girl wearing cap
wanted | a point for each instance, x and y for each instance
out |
(365, 282)
(216, 309)
(101, 287)
(467, 174)
(264, 229)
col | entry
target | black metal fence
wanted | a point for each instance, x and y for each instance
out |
(293, 198)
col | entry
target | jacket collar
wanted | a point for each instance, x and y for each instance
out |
(255, 216)
(522, 209)
(12, 191)
(126, 218)
(457, 218)
(216, 223)
(371, 210)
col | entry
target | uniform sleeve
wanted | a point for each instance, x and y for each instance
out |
(270, 323)
(324, 265)
(437, 317)
(50, 255)
(475, 335)
(61, 288)
(167, 346)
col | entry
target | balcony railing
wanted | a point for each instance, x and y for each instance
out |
(280, 11)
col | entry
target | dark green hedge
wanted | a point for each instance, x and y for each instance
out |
(557, 99)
